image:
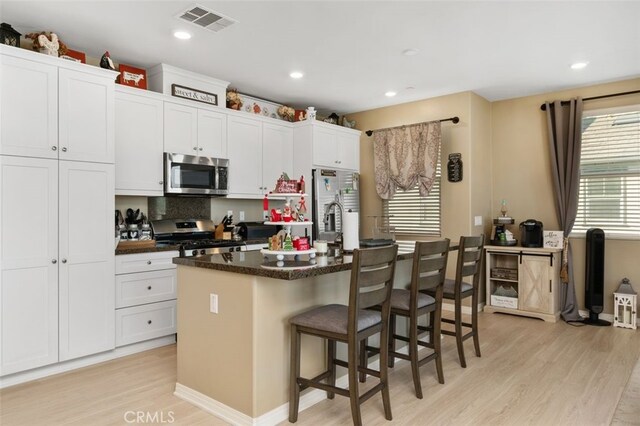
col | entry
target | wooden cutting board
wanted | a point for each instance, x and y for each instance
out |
(136, 244)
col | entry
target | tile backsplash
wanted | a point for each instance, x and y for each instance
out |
(179, 207)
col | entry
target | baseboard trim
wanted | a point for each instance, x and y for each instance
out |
(450, 307)
(273, 417)
(606, 317)
(63, 367)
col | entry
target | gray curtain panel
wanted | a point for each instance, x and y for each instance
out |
(404, 156)
(564, 125)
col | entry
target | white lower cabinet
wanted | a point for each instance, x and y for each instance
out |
(145, 322)
(146, 289)
(56, 261)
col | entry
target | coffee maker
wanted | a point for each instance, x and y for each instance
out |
(531, 233)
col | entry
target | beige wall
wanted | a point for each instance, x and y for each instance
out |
(522, 176)
(505, 156)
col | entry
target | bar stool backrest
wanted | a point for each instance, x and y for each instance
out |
(429, 266)
(469, 257)
(372, 277)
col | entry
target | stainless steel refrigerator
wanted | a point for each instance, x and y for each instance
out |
(333, 189)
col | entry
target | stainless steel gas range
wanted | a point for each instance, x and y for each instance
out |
(195, 237)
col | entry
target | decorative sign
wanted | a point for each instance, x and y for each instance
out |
(74, 55)
(454, 167)
(194, 94)
(552, 239)
(132, 76)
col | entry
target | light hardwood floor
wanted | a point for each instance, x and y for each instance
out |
(531, 372)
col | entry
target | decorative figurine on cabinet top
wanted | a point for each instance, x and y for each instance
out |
(47, 43)
(9, 36)
(106, 62)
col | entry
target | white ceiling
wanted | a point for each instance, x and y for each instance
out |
(351, 51)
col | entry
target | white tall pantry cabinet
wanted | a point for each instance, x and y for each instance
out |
(56, 204)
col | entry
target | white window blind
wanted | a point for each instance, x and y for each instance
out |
(610, 173)
(411, 214)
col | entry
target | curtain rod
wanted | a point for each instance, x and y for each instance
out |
(454, 120)
(544, 106)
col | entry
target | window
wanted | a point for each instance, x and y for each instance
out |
(610, 172)
(412, 215)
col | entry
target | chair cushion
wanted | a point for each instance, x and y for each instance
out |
(400, 299)
(334, 319)
(449, 286)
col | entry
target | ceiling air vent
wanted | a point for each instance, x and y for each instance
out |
(205, 18)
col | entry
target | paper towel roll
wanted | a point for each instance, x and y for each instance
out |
(350, 231)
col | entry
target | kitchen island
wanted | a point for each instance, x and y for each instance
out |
(235, 363)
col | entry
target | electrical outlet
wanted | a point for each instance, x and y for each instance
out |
(241, 215)
(478, 220)
(229, 213)
(213, 303)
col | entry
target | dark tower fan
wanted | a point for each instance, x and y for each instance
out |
(594, 277)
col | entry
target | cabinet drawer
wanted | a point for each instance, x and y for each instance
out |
(145, 287)
(144, 262)
(145, 322)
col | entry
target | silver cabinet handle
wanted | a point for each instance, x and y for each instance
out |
(149, 288)
(64, 149)
(160, 182)
(148, 262)
(64, 260)
(149, 322)
(195, 148)
(54, 261)
(54, 148)
(200, 149)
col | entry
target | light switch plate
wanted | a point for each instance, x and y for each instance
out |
(213, 303)
(241, 215)
(478, 220)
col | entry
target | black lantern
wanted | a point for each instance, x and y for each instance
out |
(9, 36)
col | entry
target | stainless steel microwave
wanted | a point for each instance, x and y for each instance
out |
(195, 175)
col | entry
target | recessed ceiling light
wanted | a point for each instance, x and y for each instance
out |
(390, 94)
(182, 35)
(410, 52)
(579, 65)
(296, 74)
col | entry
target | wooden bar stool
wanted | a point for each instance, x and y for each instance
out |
(428, 272)
(371, 282)
(468, 265)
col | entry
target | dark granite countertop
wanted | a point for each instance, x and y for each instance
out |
(254, 263)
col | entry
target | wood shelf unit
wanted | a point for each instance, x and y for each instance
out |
(534, 274)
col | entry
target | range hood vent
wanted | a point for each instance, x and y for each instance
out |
(206, 18)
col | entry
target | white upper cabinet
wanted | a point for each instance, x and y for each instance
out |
(348, 147)
(86, 117)
(139, 143)
(52, 108)
(277, 153)
(29, 119)
(180, 129)
(325, 142)
(212, 134)
(333, 146)
(245, 156)
(194, 131)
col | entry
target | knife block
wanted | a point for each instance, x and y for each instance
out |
(222, 233)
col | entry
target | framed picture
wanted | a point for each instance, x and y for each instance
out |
(74, 55)
(132, 76)
(194, 94)
(552, 239)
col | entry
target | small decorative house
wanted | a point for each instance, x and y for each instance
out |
(625, 300)
(9, 36)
